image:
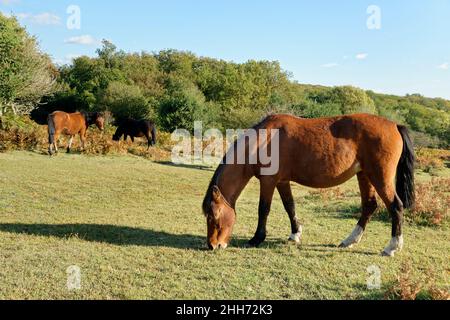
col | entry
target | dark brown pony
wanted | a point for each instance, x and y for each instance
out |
(136, 129)
(319, 153)
(71, 124)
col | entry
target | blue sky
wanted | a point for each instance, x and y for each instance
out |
(320, 42)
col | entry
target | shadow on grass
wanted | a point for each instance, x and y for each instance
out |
(116, 235)
(333, 248)
(186, 166)
(242, 243)
(317, 248)
(128, 236)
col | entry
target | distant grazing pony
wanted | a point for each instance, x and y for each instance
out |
(71, 124)
(318, 153)
(136, 129)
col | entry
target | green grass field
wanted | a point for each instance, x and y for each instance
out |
(136, 230)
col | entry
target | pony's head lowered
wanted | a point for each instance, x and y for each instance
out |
(96, 118)
(220, 216)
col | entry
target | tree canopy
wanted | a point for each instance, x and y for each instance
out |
(26, 74)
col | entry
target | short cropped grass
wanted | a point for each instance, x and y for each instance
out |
(135, 229)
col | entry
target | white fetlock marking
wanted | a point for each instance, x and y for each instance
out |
(395, 245)
(297, 237)
(354, 238)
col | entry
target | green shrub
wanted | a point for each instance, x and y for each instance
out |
(127, 101)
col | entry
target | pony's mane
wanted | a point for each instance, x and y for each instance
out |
(215, 179)
(209, 197)
(91, 117)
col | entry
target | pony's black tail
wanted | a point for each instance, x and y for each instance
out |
(405, 170)
(51, 129)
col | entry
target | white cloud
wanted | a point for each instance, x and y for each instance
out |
(444, 66)
(87, 40)
(72, 56)
(362, 56)
(329, 65)
(68, 59)
(45, 18)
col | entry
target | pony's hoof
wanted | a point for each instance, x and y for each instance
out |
(354, 238)
(396, 245)
(388, 254)
(295, 238)
(344, 245)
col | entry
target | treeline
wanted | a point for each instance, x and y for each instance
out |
(175, 88)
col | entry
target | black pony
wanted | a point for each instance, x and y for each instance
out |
(136, 129)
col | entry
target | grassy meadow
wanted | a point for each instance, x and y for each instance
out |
(135, 229)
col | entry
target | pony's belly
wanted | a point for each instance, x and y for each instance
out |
(68, 132)
(327, 179)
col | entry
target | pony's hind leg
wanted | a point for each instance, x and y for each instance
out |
(395, 208)
(285, 191)
(368, 204)
(83, 140)
(53, 143)
(386, 189)
(69, 146)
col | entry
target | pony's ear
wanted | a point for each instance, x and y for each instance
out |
(217, 195)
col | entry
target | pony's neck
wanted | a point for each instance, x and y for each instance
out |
(87, 118)
(232, 181)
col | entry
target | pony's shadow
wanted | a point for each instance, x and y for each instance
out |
(185, 166)
(115, 235)
(242, 243)
(62, 151)
(328, 249)
(333, 248)
(129, 236)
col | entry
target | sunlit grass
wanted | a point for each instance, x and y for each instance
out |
(135, 229)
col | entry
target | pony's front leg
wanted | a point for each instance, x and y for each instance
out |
(55, 142)
(285, 191)
(149, 141)
(265, 202)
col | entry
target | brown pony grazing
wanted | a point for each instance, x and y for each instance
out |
(318, 153)
(71, 124)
